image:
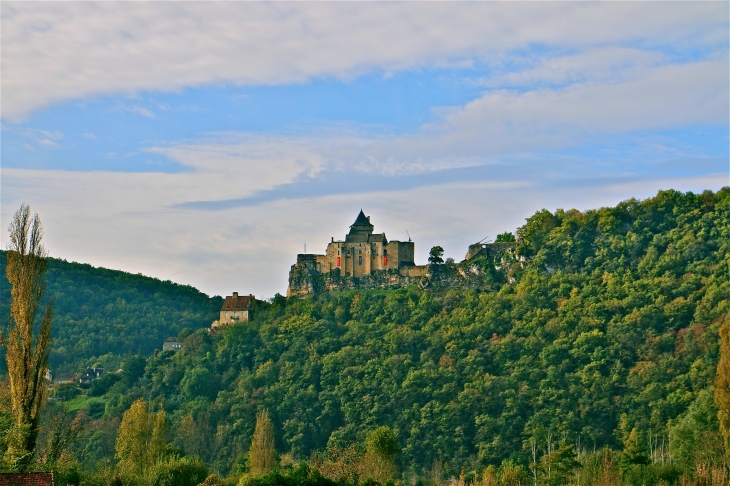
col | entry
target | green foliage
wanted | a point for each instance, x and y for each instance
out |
(177, 471)
(133, 369)
(66, 391)
(198, 382)
(505, 237)
(556, 467)
(722, 387)
(99, 311)
(302, 475)
(382, 441)
(102, 384)
(511, 474)
(436, 255)
(695, 436)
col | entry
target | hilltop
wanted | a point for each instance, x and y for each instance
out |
(108, 312)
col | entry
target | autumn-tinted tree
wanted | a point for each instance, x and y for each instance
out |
(262, 454)
(140, 439)
(26, 351)
(381, 451)
(722, 387)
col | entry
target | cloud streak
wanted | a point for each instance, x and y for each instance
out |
(59, 51)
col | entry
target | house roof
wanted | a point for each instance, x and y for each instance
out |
(64, 377)
(27, 479)
(235, 302)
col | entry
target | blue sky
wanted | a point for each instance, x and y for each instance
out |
(206, 143)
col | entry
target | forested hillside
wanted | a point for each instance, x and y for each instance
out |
(100, 312)
(608, 336)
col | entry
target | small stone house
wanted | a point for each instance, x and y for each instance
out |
(171, 344)
(235, 309)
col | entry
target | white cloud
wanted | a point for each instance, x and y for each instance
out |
(125, 221)
(613, 63)
(68, 50)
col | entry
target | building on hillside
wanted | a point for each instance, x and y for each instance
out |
(171, 344)
(235, 309)
(90, 374)
(367, 260)
(360, 255)
(363, 252)
(62, 378)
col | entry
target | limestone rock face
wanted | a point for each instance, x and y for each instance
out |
(305, 279)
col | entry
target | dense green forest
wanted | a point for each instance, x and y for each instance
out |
(593, 353)
(102, 312)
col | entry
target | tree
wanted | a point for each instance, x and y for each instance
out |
(262, 454)
(381, 451)
(26, 354)
(140, 440)
(557, 466)
(722, 387)
(133, 369)
(505, 237)
(435, 256)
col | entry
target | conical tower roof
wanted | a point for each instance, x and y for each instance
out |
(361, 220)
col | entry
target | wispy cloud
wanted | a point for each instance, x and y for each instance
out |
(42, 138)
(139, 110)
(59, 51)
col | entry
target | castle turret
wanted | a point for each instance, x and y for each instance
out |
(360, 229)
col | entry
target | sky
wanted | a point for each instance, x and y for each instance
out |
(208, 142)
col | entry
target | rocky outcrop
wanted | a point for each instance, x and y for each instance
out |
(305, 279)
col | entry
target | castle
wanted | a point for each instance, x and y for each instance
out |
(362, 256)
(367, 260)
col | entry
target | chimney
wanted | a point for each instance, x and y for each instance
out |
(368, 219)
(235, 295)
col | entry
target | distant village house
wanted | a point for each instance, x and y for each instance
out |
(62, 378)
(235, 309)
(90, 374)
(171, 344)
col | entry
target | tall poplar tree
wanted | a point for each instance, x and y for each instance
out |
(140, 440)
(722, 387)
(262, 454)
(26, 350)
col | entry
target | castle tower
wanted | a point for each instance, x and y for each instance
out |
(360, 230)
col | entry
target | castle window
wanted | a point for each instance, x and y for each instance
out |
(359, 260)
